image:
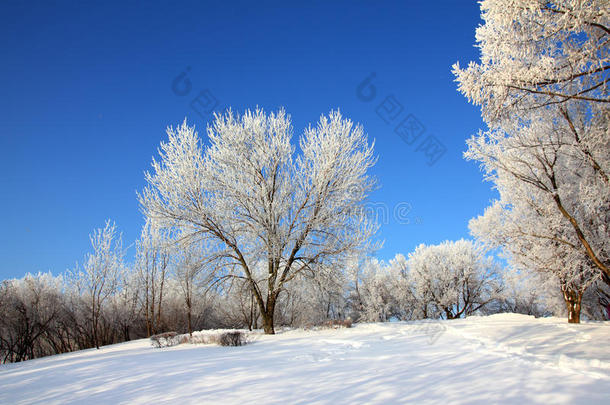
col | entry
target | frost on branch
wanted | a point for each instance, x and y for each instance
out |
(542, 84)
(266, 212)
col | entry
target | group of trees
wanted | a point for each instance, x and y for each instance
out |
(107, 301)
(163, 290)
(244, 230)
(542, 84)
(449, 280)
(241, 232)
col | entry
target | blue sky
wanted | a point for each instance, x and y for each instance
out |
(88, 90)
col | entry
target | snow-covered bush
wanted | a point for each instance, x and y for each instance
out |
(166, 339)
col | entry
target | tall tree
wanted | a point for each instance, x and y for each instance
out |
(268, 212)
(542, 84)
(535, 237)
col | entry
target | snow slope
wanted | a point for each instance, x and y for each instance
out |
(500, 359)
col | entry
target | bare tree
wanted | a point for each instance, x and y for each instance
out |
(29, 308)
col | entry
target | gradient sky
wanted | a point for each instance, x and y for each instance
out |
(89, 88)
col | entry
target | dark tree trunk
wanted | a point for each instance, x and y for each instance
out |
(572, 299)
(268, 324)
(94, 322)
(251, 320)
(189, 318)
(159, 306)
(268, 315)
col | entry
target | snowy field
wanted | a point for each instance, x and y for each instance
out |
(507, 359)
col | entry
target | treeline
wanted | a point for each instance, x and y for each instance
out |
(105, 301)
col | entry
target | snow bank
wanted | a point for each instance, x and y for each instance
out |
(502, 359)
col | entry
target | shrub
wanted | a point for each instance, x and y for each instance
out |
(166, 339)
(222, 338)
(234, 338)
(199, 338)
(339, 323)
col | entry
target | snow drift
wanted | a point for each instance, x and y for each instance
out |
(503, 358)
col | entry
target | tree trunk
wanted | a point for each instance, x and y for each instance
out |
(251, 319)
(148, 325)
(572, 299)
(268, 323)
(160, 301)
(189, 318)
(94, 326)
(267, 315)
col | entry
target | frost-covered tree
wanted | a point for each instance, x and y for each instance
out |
(30, 307)
(543, 177)
(542, 86)
(315, 297)
(100, 275)
(259, 203)
(192, 269)
(384, 291)
(453, 279)
(527, 292)
(538, 53)
(534, 237)
(153, 254)
(124, 307)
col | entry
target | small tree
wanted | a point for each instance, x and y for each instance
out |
(454, 277)
(190, 264)
(153, 253)
(100, 275)
(29, 306)
(383, 291)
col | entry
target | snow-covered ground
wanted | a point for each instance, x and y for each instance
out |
(507, 358)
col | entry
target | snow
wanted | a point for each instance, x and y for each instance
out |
(503, 359)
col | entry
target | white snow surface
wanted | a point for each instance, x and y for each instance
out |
(499, 359)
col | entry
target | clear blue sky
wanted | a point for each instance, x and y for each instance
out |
(87, 94)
